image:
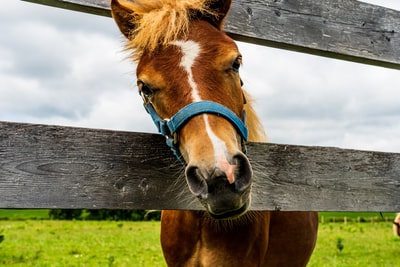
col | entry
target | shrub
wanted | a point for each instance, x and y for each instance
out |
(339, 244)
(65, 214)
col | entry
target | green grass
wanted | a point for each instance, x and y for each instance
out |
(109, 243)
(80, 243)
(356, 216)
(362, 244)
(15, 214)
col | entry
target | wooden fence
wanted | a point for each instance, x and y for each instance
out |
(44, 166)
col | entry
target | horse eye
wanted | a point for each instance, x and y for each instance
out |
(236, 64)
(144, 89)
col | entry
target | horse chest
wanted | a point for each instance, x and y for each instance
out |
(233, 247)
(208, 244)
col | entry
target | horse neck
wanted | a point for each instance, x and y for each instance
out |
(256, 130)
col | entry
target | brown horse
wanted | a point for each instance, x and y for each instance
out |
(187, 64)
(396, 225)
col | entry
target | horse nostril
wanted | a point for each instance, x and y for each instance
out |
(196, 182)
(201, 186)
(243, 173)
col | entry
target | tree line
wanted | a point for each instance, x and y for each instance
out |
(102, 214)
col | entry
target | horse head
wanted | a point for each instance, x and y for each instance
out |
(187, 64)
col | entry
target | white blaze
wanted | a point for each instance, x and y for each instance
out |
(190, 51)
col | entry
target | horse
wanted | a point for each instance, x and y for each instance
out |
(396, 225)
(188, 76)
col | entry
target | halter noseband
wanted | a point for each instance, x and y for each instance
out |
(170, 127)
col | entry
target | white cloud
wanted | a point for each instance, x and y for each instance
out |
(393, 4)
(50, 70)
(311, 100)
(113, 110)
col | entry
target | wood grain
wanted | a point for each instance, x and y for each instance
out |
(45, 166)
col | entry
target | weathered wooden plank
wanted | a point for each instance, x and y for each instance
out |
(49, 166)
(325, 178)
(96, 7)
(63, 167)
(342, 29)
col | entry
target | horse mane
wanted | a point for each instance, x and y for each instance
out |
(160, 22)
(253, 122)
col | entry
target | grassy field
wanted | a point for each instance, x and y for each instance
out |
(108, 243)
(13, 214)
(79, 243)
(356, 244)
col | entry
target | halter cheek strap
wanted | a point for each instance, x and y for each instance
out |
(170, 127)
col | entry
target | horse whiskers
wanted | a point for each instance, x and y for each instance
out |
(258, 168)
(178, 181)
(180, 188)
(248, 218)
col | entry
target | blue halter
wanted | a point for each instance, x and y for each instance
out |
(170, 127)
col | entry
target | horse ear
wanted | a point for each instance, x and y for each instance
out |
(221, 8)
(123, 16)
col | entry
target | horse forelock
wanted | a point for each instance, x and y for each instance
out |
(160, 23)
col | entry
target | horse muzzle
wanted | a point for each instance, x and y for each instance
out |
(223, 197)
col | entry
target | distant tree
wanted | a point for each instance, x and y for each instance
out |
(112, 215)
(65, 214)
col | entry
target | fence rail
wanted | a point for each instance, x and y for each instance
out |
(64, 167)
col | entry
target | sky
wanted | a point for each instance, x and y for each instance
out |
(68, 68)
